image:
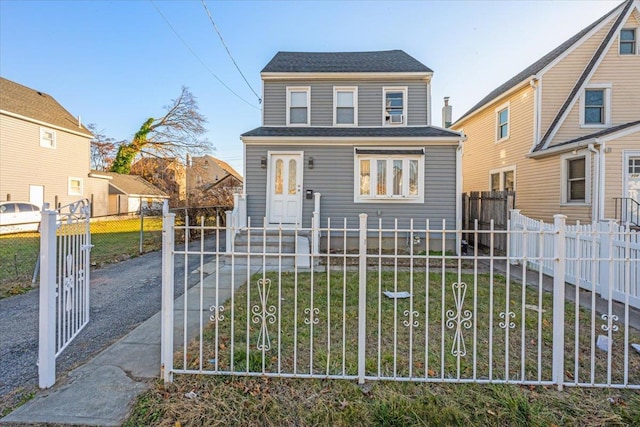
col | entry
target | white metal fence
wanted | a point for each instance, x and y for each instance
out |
(603, 256)
(398, 306)
(65, 246)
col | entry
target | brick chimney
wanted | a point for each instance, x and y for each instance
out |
(447, 112)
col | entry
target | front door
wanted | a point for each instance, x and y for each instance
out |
(284, 191)
(632, 184)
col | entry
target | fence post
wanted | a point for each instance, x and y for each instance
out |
(316, 224)
(362, 298)
(603, 287)
(166, 349)
(47, 321)
(559, 266)
(229, 231)
(141, 251)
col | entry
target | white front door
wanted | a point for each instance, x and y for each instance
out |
(284, 188)
(632, 184)
(36, 195)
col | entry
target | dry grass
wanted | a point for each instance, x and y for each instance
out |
(302, 346)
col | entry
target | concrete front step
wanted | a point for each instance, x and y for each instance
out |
(271, 249)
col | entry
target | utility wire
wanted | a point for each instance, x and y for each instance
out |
(200, 60)
(229, 52)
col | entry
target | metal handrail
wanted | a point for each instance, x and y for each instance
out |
(627, 210)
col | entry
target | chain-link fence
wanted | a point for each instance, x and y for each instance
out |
(115, 238)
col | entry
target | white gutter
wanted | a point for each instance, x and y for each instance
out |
(459, 178)
(345, 76)
(596, 195)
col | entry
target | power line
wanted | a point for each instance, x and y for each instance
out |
(200, 60)
(229, 52)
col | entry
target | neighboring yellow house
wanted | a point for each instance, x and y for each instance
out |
(565, 132)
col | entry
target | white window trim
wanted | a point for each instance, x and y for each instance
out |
(306, 89)
(74, 193)
(357, 198)
(637, 52)
(564, 175)
(507, 106)
(626, 156)
(501, 171)
(405, 102)
(607, 106)
(354, 91)
(43, 130)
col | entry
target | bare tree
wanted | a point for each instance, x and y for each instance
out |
(174, 134)
(103, 149)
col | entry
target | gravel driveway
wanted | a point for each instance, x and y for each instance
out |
(123, 295)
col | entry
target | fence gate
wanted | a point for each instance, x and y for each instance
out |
(65, 246)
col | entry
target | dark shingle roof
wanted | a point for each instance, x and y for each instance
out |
(599, 133)
(18, 99)
(133, 185)
(376, 132)
(536, 67)
(389, 61)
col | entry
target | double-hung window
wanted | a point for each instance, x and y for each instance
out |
(345, 106)
(395, 106)
(595, 106)
(575, 179)
(47, 138)
(502, 122)
(628, 41)
(75, 186)
(503, 179)
(298, 111)
(389, 175)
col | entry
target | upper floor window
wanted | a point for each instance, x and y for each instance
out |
(395, 105)
(390, 176)
(75, 186)
(628, 41)
(502, 122)
(298, 105)
(47, 138)
(345, 101)
(596, 106)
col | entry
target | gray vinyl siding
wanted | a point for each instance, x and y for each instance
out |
(24, 162)
(369, 101)
(333, 177)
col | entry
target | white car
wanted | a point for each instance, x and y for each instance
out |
(17, 217)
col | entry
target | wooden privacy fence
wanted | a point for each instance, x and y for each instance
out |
(485, 206)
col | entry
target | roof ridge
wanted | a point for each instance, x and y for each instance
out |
(591, 65)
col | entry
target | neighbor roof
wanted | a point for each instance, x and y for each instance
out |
(536, 67)
(226, 166)
(354, 132)
(21, 100)
(389, 61)
(134, 185)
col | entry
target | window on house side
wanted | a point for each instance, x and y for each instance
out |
(576, 180)
(47, 138)
(75, 186)
(594, 112)
(389, 177)
(503, 123)
(345, 102)
(627, 41)
(495, 182)
(508, 180)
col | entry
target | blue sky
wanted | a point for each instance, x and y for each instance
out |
(116, 63)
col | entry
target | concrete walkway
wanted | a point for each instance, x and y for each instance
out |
(102, 391)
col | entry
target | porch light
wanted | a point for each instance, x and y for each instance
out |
(263, 162)
(310, 162)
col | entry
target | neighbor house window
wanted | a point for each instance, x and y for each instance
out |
(345, 101)
(596, 106)
(627, 41)
(47, 138)
(298, 105)
(502, 120)
(503, 179)
(575, 178)
(391, 175)
(395, 106)
(75, 186)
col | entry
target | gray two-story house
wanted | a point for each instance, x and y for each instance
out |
(356, 128)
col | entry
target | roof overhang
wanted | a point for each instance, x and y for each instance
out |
(346, 76)
(499, 98)
(341, 140)
(41, 123)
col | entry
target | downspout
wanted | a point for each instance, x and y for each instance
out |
(459, 152)
(596, 205)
